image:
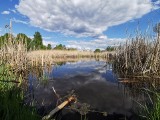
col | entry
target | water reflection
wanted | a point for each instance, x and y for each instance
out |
(93, 81)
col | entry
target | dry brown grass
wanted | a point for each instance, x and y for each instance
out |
(14, 54)
(139, 56)
(51, 56)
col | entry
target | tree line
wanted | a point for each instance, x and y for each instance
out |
(32, 44)
(109, 48)
(37, 42)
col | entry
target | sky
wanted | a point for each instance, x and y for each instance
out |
(81, 24)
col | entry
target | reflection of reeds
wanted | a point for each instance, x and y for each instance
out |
(51, 56)
(138, 57)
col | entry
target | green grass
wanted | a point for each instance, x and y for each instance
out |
(151, 109)
(12, 105)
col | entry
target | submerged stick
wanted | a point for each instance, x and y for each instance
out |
(61, 106)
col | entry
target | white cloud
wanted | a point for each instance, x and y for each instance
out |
(12, 10)
(5, 12)
(19, 21)
(47, 38)
(46, 42)
(97, 43)
(82, 17)
(156, 4)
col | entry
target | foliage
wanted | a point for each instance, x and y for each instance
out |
(37, 41)
(12, 63)
(35, 44)
(6, 38)
(60, 47)
(72, 49)
(151, 109)
(49, 47)
(25, 40)
(12, 107)
(97, 51)
(109, 48)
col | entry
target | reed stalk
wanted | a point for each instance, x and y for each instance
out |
(139, 56)
(42, 57)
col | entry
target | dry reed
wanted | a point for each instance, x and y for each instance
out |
(42, 57)
(139, 56)
(14, 54)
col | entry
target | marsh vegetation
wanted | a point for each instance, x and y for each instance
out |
(137, 64)
(31, 73)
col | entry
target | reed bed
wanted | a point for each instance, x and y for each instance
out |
(13, 63)
(14, 55)
(42, 57)
(138, 57)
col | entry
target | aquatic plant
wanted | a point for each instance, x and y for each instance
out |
(43, 57)
(151, 109)
(139, 56)
(13, 108)
(13, 64)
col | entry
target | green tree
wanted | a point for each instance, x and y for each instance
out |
(109, 48)
(6, 38)
(1, 41)
(37, 40)
(43, 47)
(25, 39)
(72, 49)
(60, 47)
(97, 51)
(49, 47)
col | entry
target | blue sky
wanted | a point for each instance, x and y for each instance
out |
(82, 24)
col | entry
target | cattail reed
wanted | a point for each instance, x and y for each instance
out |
(139, 56)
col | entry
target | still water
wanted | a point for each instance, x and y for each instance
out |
(93, 81)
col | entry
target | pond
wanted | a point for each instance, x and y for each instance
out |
(93, 83)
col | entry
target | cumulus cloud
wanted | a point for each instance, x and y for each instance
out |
(97, 43)
(82, 17)
(5, 12)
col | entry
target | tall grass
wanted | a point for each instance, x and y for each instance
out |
(13, 64)
(151, 109)
(139, 56)
(51, 56)
(13, 108)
